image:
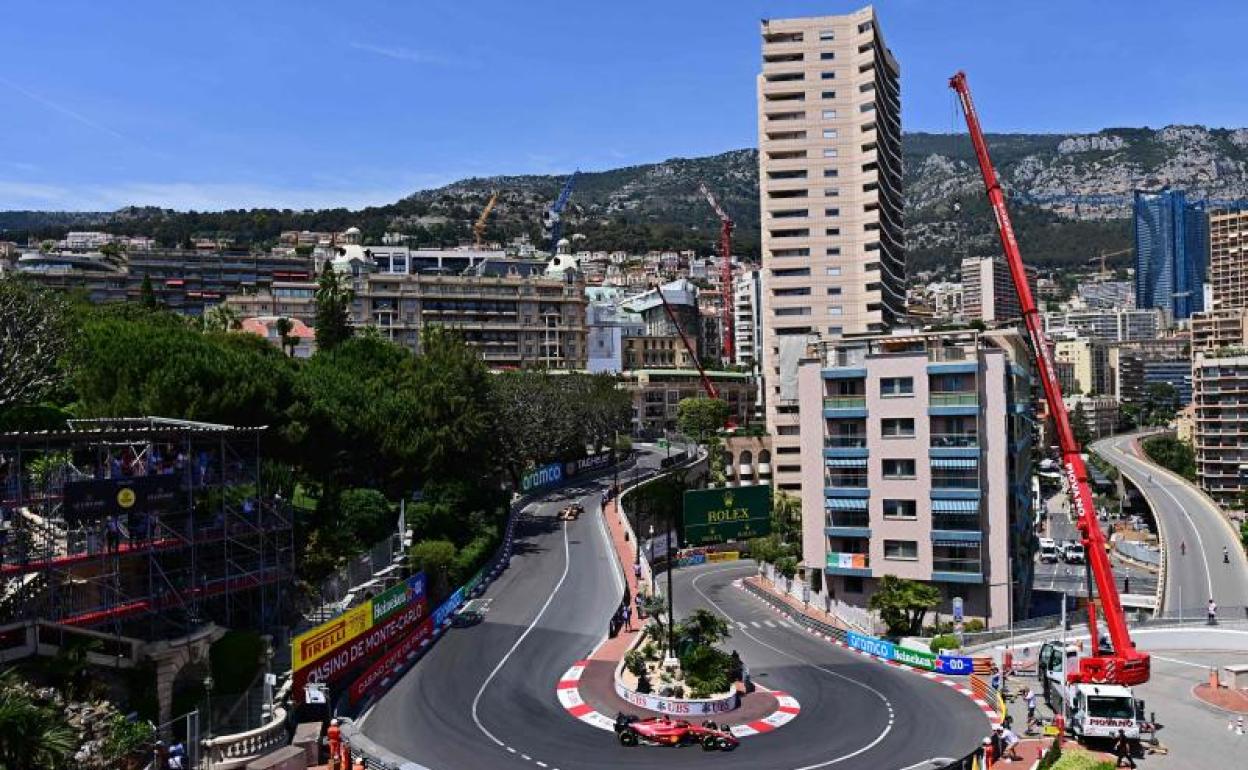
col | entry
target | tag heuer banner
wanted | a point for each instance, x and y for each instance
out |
(730, 513)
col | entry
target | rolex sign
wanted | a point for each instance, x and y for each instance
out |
(732, 513)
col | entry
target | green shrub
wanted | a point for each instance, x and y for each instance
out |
(1051, 756)
(973, 626)
(707, 670)
(944, 642)
(635, 663)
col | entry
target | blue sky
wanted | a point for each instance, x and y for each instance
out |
(302, 104)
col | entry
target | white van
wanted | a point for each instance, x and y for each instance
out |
(1074, 553)
(1048, 550)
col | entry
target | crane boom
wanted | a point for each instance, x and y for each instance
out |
(707, 385)
(1125, 665)
(554, 214)
(478, 228)
(725, 270)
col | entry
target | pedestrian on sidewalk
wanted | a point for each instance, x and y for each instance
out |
(1029, 697)
(628, 618)
(1212, 612)
(1122, 750)
(637, 572)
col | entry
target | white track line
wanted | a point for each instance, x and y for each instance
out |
(567, 562)
(887, 704)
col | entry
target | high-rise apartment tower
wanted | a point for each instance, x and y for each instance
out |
(829, 137)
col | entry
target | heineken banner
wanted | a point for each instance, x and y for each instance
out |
(729, 513)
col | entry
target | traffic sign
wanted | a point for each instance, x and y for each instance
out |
(957, 608)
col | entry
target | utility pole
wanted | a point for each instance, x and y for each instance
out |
(671, 567)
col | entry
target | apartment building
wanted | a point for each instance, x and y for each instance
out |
(1090, 361)
(1228, 259)
(1220, 401)
(288, 299)
(1100, 413)
(657, 393)
(514, 321)
(1117, 325)
(988, 292)
(919, 465)
(186, 281)
(747, 302)
(1106, 295)
(1220, 328)
(830, 179)
(656, 352)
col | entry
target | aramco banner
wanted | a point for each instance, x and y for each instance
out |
(728, 513)
(540, 477)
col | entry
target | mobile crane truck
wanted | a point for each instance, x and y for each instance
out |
(1097, 688)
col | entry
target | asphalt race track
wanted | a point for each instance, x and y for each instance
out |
(484, 696)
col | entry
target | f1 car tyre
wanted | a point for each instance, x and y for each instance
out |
(628, 738)
(710, 743)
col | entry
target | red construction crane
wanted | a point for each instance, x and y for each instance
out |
(707, 385)
(1124, 665)
(725, 269)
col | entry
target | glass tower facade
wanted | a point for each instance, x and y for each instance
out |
(1171, 248)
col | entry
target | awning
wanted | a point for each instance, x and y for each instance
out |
(958, 543)
(964, 463)
(955, 506)
(846, 462)
(845, 504)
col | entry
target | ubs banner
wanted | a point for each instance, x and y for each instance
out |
(98, 499)
(730, 513)
(332, 651)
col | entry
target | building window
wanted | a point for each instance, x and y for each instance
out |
(900, 509)
(829, 114)
(896, 386)
(898, 469)
(789, 468)
(853, 584)
(833, 251)
(829, 133)
(834, 270)
(800, 291)
(788, 430)
(829, 173)
(901, 550)
(827, 34)
(827, 55)
(829, 94)
(831, 212)
(835, 310)
(834, 291)
(792, 311)
(829, 152)
(897, 427)
(791, 272)
(836, 331)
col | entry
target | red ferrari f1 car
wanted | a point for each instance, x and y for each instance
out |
(664, 731)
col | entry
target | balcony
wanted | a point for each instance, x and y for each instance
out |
(846, 517)
(953, 403)
(853, 564)
(845, 406)
(954, 445)
(957, 570)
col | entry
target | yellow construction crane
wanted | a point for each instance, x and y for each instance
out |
(1105, 255)
(478, 229)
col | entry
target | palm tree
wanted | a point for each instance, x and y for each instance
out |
(32, 736)
(786, 515)
(284, 328)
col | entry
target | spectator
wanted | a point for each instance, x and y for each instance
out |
(112, 534)
(1009, 742)
(1212, 612)
(628, 615)
(1122, 750)
(1029, 697)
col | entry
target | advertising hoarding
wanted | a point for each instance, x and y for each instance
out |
(101, 498)
(331, 635)
(732, 513)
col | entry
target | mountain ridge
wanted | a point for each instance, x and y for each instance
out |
(1070, 199)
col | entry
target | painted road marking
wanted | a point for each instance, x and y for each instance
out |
(769, 624)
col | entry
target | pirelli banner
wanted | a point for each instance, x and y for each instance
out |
(727, 513)
(332, 650)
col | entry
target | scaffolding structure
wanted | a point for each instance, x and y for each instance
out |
(144, 527)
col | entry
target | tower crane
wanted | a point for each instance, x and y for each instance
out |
(725, 270)
(553, 221)
(478, 228)
(1107, 254)
(1123, 664)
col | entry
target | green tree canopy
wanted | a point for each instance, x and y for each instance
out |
(903, 604)
(35, 331)
(333, 309)
(701, 417)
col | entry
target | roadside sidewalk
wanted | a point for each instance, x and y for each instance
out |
(809, 610)
(613, 648)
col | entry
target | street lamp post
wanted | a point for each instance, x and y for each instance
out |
(671, 608)
(208, 716)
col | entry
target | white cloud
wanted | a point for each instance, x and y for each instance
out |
(214, 196)
(400, 53)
